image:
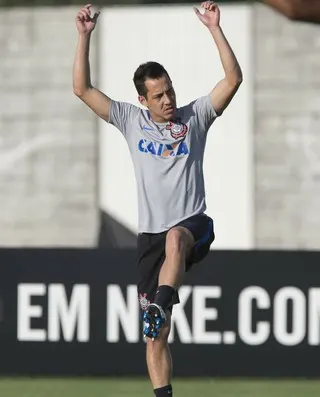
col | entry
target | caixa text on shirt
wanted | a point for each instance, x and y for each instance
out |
(163, 150)
(288, 316)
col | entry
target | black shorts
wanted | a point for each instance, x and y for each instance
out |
(151, 255)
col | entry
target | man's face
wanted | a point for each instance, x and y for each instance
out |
(160, 99)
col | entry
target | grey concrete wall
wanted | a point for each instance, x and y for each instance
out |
(48, 138)
(287, 132)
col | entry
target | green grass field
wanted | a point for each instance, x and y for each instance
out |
(123, 387)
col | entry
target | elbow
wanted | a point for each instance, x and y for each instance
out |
(235, 78)
(239, 80)
(80, 91)
(236, 81)
(77, 92)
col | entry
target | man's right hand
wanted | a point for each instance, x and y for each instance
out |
(85, 22)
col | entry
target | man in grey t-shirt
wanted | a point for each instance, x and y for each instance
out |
(167, 146)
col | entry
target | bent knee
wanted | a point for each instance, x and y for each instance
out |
(178, 239)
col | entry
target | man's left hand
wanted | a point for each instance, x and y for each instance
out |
(211, 16)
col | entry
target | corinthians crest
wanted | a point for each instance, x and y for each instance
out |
(177, 129)
(144, 302)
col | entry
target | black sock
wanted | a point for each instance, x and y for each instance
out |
(164, 296)
(163, 391)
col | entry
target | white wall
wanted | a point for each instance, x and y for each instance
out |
(48, 143)
(173, 36)
(287, 125)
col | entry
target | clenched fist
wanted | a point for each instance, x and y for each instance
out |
(211, 16)
(85, 21)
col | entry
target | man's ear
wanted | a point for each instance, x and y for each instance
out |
(143, 101)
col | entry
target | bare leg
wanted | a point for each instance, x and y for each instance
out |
(178, 245)
(159, 359)
(179, 241)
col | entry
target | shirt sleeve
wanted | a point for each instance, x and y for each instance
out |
(204, 111)
(121, 115)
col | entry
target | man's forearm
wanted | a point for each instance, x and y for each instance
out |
(81, 69)
(228, 59)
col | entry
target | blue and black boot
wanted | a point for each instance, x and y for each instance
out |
(154, 318)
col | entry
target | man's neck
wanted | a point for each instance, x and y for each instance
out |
(159, 120)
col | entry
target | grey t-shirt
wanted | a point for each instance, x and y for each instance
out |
(168, 161)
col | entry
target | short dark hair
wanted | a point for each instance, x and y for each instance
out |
(147, 70)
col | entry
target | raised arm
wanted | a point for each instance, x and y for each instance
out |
(82, 86)
(224, 91)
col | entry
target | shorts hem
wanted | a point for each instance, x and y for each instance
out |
(173, 224)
